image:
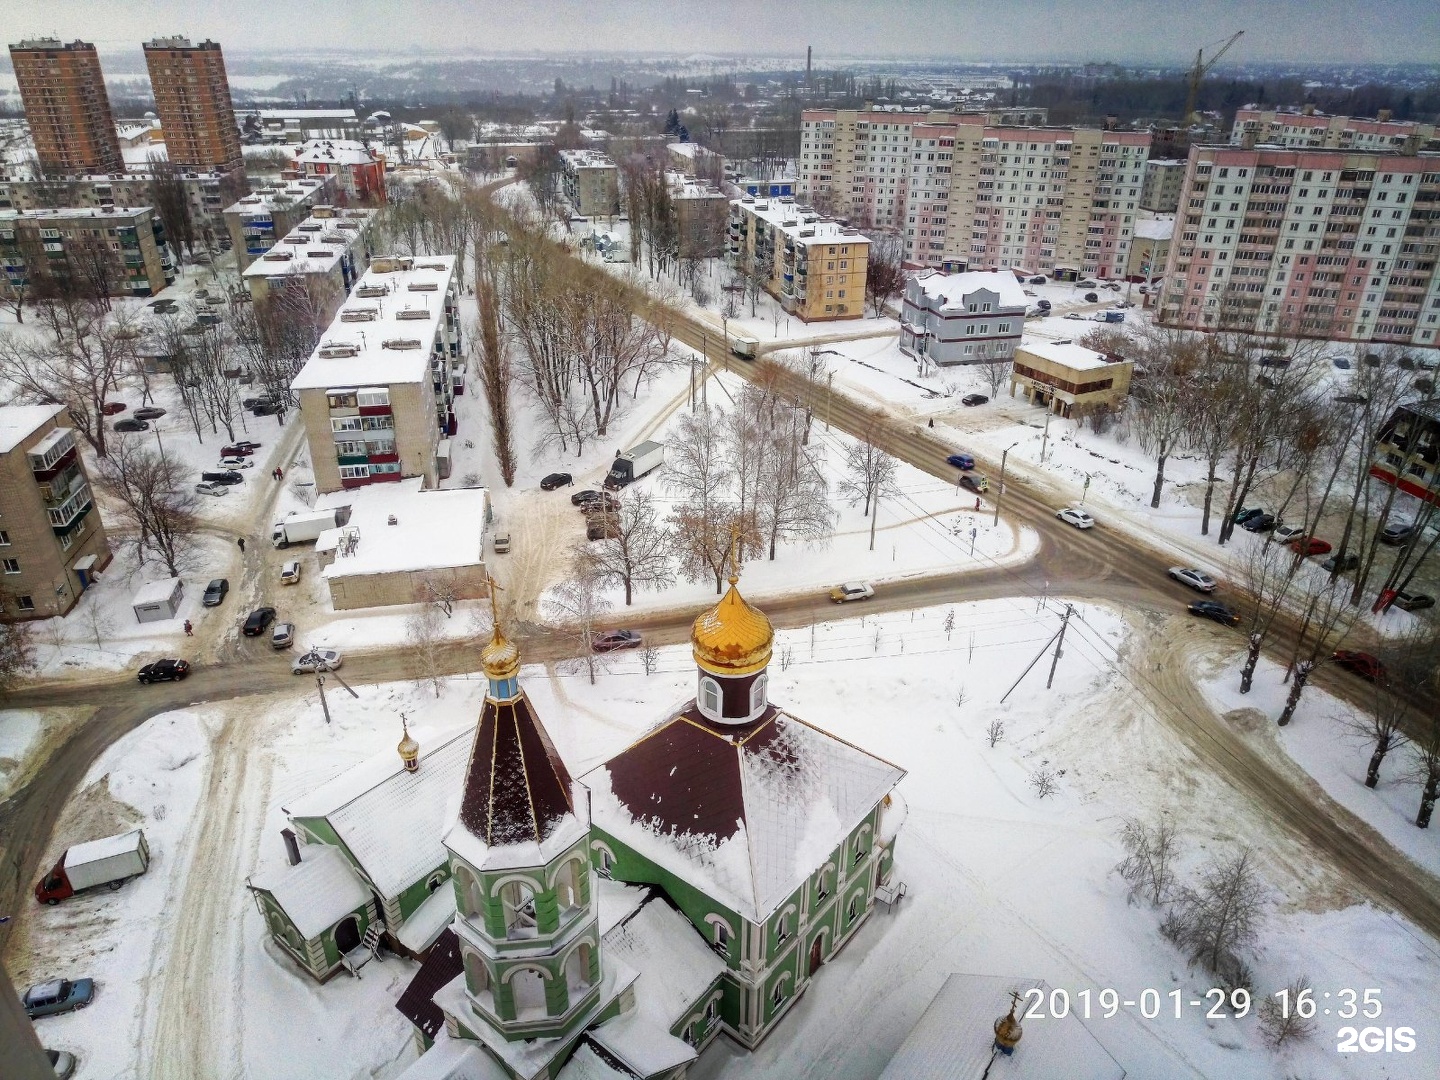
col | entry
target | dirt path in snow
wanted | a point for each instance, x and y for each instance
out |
(191, 1023)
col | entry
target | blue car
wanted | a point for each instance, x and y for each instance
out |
(57, 996)
(961, 461)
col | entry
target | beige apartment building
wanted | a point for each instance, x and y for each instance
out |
(376, 394)
(192, 97)
(257, 221)
(1161, 189)
(52, 543)
(66, 106)
(966, 193)
(1304, 128)
(1067, 378)
(208, 193)
(322, 258)
(115, 252)
(701, 214)
(814, 266)
(591, 182)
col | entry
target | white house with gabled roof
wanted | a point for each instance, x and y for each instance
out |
(969, 318)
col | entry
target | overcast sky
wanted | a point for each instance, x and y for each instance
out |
(1338, 30)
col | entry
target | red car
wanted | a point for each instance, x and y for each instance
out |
(113, 407)
(237, 450)
(1361, 663)
(1309, 545)
(610, 640)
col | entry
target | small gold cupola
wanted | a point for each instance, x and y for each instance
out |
(409, 749)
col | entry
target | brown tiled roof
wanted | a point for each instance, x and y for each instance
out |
(441, 966)
(517, 788)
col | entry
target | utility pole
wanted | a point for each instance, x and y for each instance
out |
(705, 382)
(324, 705)
(1059, 645)
(1000, 491)
(829, 399)
(1045, 435)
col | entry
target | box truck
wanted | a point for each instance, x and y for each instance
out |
(744, 347)
(111, 861)
(634, 463)
(300, 526)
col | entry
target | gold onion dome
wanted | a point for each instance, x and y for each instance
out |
(408, 748)
(732, 638)
(500, 659)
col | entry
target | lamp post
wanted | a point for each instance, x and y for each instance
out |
(1001, 492)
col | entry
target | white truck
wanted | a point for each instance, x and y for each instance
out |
(300, 526)
(630, 465)
(744, 347)
(110, 861)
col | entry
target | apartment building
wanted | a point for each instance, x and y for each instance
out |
(694, 160)
(300, 125)
(208, 194)
(255, 222)
(66, 106)
(359, 170)
(1307, 129)
(192, 97)
(1069, 379)
(701, 214)
(591, 182)
(971, 318)
(1151, 247)
(1160, 191)
(114, 252)
(1316, 243)
(376, 394)
(52, 542)
(966, 194)
(321, 258)
(815, 267)
(1407, 451)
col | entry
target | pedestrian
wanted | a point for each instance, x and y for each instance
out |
(279, 474)
(241, 541)
(932, 421)
(189, 630)
(977, 504)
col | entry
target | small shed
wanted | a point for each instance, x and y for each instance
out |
(156, 601)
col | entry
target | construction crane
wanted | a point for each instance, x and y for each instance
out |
(1201, 69)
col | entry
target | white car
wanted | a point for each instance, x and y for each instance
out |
(1283, 534)
(1075, 315)
(1073, 515)
(852, 590)
(207, 488)
(316, 660)
(1196, 579)
(235, 463)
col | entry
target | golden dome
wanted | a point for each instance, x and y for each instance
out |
(500, 659)
(408, 748)
(732, 638)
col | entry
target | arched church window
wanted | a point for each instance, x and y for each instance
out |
(710, 697)
(436, 880)
(757, 694)
(567, 886)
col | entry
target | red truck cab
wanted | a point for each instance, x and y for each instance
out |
(54, 886)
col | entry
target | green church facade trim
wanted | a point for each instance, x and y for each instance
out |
(319, 955)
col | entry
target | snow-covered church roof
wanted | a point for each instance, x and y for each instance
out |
(745, 814)
(317, 892)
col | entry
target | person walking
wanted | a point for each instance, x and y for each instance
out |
(241, 541)
(189, 630)
(279, 474)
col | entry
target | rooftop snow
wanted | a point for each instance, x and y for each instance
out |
(426, 922)
(335, 152)
(104, 848)
(391, 820)
(314, 246)
(319, 892)
(1066, 354)
(617, 901)
(954, 1039)
(586, 1065)
(454, 1059)
(307, 114)
(155, 592)
(291, 193)
(433, 529)
(19, 422)
(676, 966)
(68, 212)
(950, 289)
(422, 290)
(791, 219)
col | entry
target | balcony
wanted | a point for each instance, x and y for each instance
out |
(63, 515)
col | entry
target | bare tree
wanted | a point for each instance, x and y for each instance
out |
(496, 373)
(1390, 713)
(995, 732)
(153, 497)
(1218, 918)
(1150, 856)
(168, 197)
(637, 551)
(424, 635)
(1280, 1024)
(884, 278)
(996, 374)
(703, 532)
(792, 496)
(1044, 782)
(578, 603)
(869, 471)
(1162, 401)
(17, 653)
(649, 659)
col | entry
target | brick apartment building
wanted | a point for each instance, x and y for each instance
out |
(359, 170)
(322, 257)
(1305, 128)
(52, 543)
(256, 221)
(591, 182)
(966, 193)
(1319, 243)
(376, 394)
(970, 318)
(192, 98)
(114, 252)
(701, 215)
(66, 106)
(814, 266)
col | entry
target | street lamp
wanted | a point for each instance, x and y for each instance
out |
(999, 493)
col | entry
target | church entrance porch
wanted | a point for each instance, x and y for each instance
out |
(347, 934)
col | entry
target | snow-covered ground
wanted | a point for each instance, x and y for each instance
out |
(999, 880)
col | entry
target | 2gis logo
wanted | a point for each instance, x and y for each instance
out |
(1375, 1040)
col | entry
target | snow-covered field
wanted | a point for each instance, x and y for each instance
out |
(999, 880)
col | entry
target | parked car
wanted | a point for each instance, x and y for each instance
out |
(502, 543)
(611, 640)
(149, 412)
(1258, 523)
(1341, 563)
(556, 480)
(257, 621)
(1397, 533)
(1114, 286)
(1407, 601)
(240, 448)
(590, 499)
(1092, 298)
(1309, 545)
(601, 526)
(235, 463)
(62, 1063)
(1340, 362)
(164, 671)
(265, 408)
(1073, 515)
(57, 996)
(290, 572)
(975, 482)
(1196, 579)
(1285, 533)
(1074, 315)
(1037, 281)
(113, 408)
(1126, 304)
(1245, 513)
(216, 591)
(960, 461)
(852, 590)
(974, 399)
(316, 660)
(263, 399)
(1043, 305)
(1211, 609)
(207, 487)
(1087, 284)
(283, 636)
(131, 424)
(226, 476)
(1363, 664)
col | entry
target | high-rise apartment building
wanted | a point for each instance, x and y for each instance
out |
(1318, 243)
(1161, 190)
(965, 193)
(1305, 127)
(192, 97)
(66, 107)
